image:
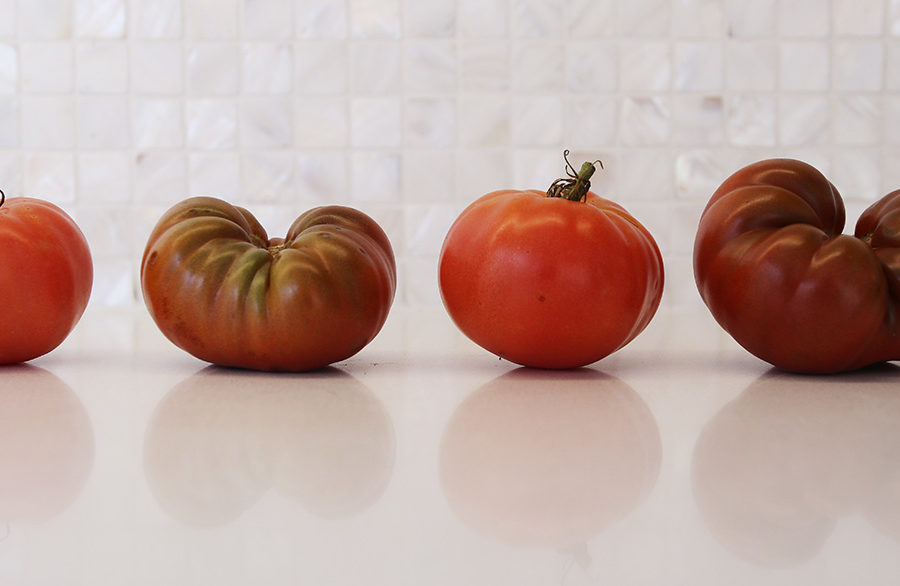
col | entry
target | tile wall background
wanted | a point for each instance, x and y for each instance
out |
(410, 109)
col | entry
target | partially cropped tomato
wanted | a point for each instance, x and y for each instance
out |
(555, 279)
(46, 274)
(221, 289)
(776, 272)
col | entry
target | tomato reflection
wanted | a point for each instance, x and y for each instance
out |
(47, 447)
(549, 459)
(222, 438)
(775, 470)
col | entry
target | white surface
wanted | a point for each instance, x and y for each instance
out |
(424, 460)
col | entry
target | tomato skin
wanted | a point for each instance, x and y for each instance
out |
(46, 275)
(771, 264)
(548, 282)
(219, 288)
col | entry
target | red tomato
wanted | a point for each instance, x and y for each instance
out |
(221, 289)
(554, 279)
(45, 277)
(777, 274)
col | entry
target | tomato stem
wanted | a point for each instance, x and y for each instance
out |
(576, 185)
(2, 198)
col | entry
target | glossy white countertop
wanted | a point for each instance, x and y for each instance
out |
(424, 460)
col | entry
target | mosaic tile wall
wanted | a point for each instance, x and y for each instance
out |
(410, 109)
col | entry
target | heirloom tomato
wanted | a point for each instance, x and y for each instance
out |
(219, 288)
(46, 275)
(555, 279)
(776, 272)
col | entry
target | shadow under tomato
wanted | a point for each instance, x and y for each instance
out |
(47, 447)
(224, 437)
(777, 468)
(547, 458)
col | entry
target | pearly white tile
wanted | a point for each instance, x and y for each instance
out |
(536, 120)
(211, 19)
(9, 69)
(157, 68)
(102, 67)
(267, 68)
(858, 66)
(375, 122)
(211, 124)
(267, 176)
(315, 19)
(644, 121)
(114, 284)
(429, 175)
(375, 67)
(484, 65)
(50, 176)
(750, 121)
(9, 122)
(538, 66)
(590, 19)
(893, 16)
(750, 66)
(482, 18)
(7, 19)
(592, 66)
(47, 67)
(103, 122)
(804, 120)
(266, 123)
(481, 171)
(215, 174)
(699, 66)
(536, 18)
(375, 176)
(160, 19)
(322, 176)
(425, 227)
(100, 19)
(430, 66)
(804, 65)
(10, 168)
(699, 18)
(856, 173)
(699, 172)
(892, 122)
(858, 120)
(374, 18)
(645, 175)
(430, 122)
(321, 122)
(645, 66)
(159, 176)
(590, 121)
(536, 168)
(858, 17)
(157, 123)
(484, 120)
(45, 19)
(698, 120)
(212, 69)
(268, 20)
(48, 122)
(750, 19)
(644, 18)
(104, 177)
(803, 18)
(892, 66)
(429, 19)
(321, 67)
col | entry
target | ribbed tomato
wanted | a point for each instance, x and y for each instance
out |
(221, 289)
(555, 279)
(776, 272)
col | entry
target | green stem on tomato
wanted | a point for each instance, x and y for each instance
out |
(576, 186)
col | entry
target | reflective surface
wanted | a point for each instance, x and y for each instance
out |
(423, 460)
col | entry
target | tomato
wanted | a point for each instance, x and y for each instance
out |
(219, 288)
(776, 272)
(555, 279)
(46, 275)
